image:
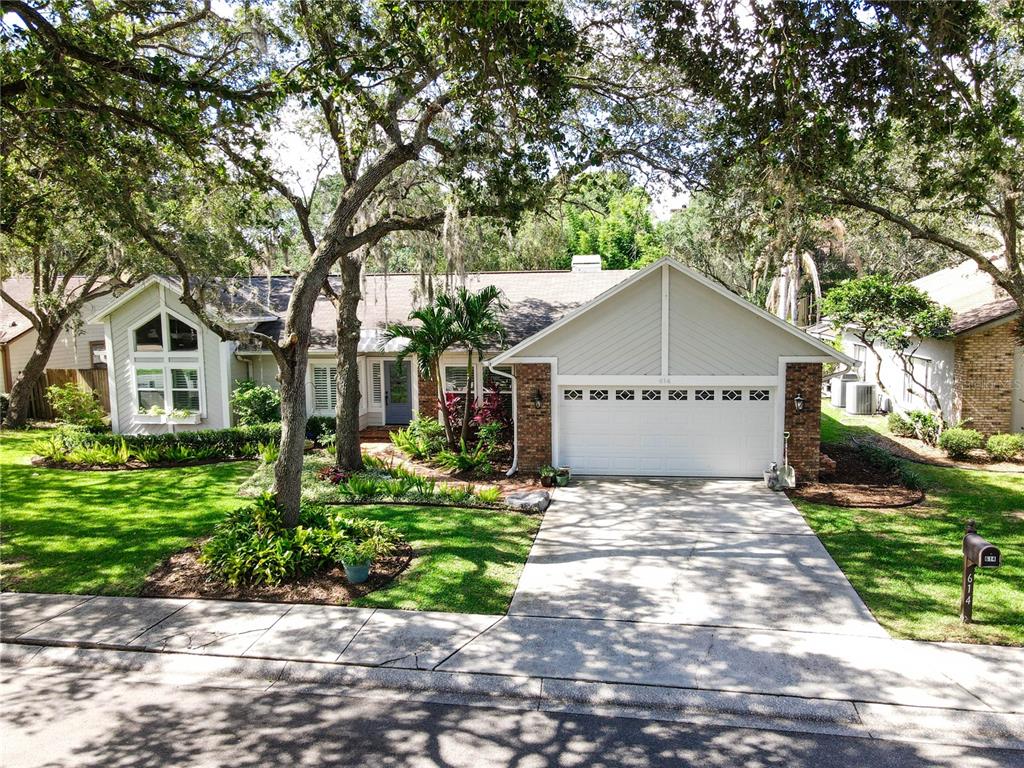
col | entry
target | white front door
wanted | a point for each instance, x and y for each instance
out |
(673, 431)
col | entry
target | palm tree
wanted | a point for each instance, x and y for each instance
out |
(477, 327)
(429, 333)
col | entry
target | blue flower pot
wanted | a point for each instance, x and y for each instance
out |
(356, 573)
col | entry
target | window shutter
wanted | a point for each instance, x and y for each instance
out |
(377, 383)
(321, 389)
(454, 378)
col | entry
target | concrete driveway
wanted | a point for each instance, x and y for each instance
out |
(724, 553)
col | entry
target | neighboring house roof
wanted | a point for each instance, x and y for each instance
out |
(986, 313)
(12, 322)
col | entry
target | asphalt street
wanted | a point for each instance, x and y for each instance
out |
(66, 717)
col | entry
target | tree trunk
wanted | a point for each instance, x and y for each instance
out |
(348, 452)
(295, 347)
(464, 438)
(443, 405)
(21, 390)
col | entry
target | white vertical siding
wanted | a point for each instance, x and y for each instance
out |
(1018, 389)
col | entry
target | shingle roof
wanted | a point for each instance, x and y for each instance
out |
(535, 300)
(12, 322)
(986, 313)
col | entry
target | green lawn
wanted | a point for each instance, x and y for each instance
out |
(101, 532)
(469, 559)
(906, 563)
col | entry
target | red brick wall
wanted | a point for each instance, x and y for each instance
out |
(534, 427)
(983, 379)
(804, 427)
(426, 397)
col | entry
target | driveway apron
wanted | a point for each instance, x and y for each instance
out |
(726, 553)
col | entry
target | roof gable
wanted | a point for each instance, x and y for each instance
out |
(730, 318)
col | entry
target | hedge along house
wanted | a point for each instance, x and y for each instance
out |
(651, 372)
(669, 373)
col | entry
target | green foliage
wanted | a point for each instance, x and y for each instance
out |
(899, 425)
(1005, 447)
(881, 310)
(489, 495)
(255, 403)
(252, 545)
(476, 460)
(613, 220)
(74, 405)
(889, 464)
(924, 425)
(958, 442)
(268, 452)
(422, 439)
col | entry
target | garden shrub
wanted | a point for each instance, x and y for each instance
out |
(926, 426)
(959, 442)
(422, 439)
(321, 430)
(476, 460)
(255, 403)
(900, 426)
(5, 402)
(1005, 447)
(75, 405)
(252, 546)
(889, 464)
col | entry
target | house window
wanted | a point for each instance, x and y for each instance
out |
(599, 394)
(325, 389)
(732, 395)
(759, 395)
(149, 387)
(184, 338)
(572, 394)
(455, 378)
(149, 337)
(499, 386)
(860, 354)
(921, 369)
(650, 394)
(677, 394)
(185, 389)
(625, 394)
(704, 395)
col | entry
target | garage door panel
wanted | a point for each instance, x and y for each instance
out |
(652, 435)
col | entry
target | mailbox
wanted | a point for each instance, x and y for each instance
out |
(978, 553)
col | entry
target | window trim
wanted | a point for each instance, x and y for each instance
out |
(462, 372)
(910, 389)
(166, 360)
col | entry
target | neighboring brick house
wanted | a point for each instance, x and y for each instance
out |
(977, 374)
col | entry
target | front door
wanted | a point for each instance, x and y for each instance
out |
(397, 392)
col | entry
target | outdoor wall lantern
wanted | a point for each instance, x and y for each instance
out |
(798, 402)
(538, 398)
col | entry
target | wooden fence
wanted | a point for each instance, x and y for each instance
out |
(92, 379)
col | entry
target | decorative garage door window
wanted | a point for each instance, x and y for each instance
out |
(759, 395)
(649, 395)
(732, 395)
(704, 395)
(677, 394)
(625, 394)
(599, 394)
(661, 394)
(572, 394)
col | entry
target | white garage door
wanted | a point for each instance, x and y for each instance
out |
(690, 431)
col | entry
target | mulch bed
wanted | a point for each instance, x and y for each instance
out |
(857, 483)
(914, 450)
(182, 575)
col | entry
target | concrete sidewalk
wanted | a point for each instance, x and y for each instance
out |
(840, 679)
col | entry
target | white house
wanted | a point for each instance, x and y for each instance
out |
(977, 374)
(656, 371)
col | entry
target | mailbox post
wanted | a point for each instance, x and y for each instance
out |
(977, 553)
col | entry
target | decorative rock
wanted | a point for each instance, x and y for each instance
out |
(531, 501)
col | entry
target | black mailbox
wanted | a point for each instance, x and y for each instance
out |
(980, 552)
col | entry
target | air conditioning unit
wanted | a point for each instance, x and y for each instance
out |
(860, 398)
(839, 389)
